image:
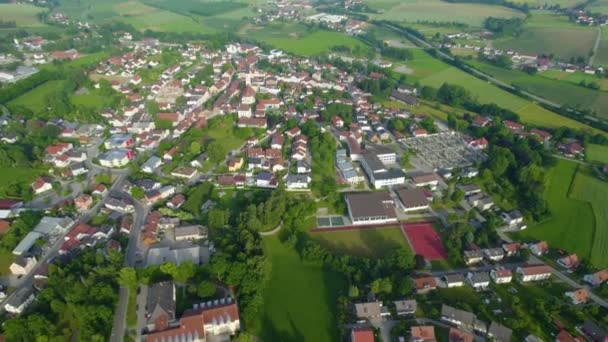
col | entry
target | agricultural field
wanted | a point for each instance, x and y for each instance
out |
(572, 225)
(564, 93)
(598, 6)
(202, 16)
(298, 39)
(299, 299)
(367, 242)
(601, 55)
(575, 77)
(551, 34)
(596, 153)
(22, 14)
(588, 188)
(438, 11)
(430, 71)
(562, 3)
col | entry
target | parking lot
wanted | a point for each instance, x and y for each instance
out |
(444, 151)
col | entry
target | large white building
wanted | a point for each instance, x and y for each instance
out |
(115, 158)
(533, 273)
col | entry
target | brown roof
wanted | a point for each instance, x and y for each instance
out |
(581, 295)
(371, 204)
(536, 269)
(426, 333)
(412, 198)
(4, 226)
(565, 336)
(424, 178)
(425, 282)
(456, 335)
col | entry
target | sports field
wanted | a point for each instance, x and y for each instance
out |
(551, 34)
(597, 153)
(425, 240)
(23, 15)
(297, 39)
(561, 92)
(299, 299)
(368, 242)
(438, 11)
(572, 226)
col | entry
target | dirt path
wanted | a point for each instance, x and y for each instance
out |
(596, 45)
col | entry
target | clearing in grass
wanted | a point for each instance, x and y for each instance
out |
(366, 243)
(35, 99)
(299, 299)
(572, 223)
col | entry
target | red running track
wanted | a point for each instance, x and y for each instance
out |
(424, 240)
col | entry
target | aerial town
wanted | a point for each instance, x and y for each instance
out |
(303, 171)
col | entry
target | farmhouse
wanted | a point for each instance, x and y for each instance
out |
(533, 273)
(371, 208)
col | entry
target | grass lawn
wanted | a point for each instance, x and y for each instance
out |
(299, 299)
(588, 188)
(34, 99)
(13, 175)
(297, 39)
(548, 33)
(572, 224)
(564, 93)
(438, 11)
(131, 309)
(23, 15)
(6, 259)
(596, 153)
(368, 243)
(575, 77)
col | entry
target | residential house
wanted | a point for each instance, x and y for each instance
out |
(370, 310)
(151, 164)
(405, 307)
(533, 273)
(539, 249)
(478, 280)
(115, 158)
(511, 249)
(473, 257)
(579, 296)
(593, 332)
(457, 335)
(187, 173)
(597, 278)
(362, 334)
(190, 233)
(460, 318)
(494, 254)
(22, 265)
(20, 300)
(423, 333)
(499, 333)
(235, 164)
(41, 185)
(501, 275)
(425, 284)
(569, 262)
(83, 202)
(453, 280)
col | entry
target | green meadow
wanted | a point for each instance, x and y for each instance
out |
(299, 299)
(367, 243)
(577, 204)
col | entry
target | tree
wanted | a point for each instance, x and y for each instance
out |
(206, 289)
(216, 151)
(457, 195)
(128, 278)
(137, 192)
(195, 147)
(353, 291)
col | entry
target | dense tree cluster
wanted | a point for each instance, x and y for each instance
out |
(504, 26)
(77, 304)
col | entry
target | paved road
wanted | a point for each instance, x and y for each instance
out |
(119, 326)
